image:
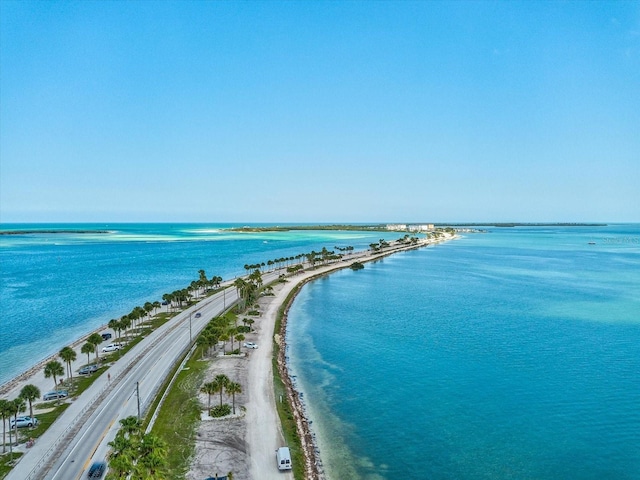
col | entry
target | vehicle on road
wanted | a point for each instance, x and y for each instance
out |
(23, 422)
(106, 336)
(55, 395)
(198, 315)
(111, 348)
(283, 457)
(87, 369)
(250, 345)
(97, 469)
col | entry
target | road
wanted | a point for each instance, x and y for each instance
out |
(81, 434)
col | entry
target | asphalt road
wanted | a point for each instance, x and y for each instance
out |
(80, 436)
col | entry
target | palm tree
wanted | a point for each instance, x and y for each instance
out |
(30, 393)
(203, 342)
(130, 425)
(18, 406)
(53, 369)
(68, 355)
(148, 308)
(232, 336)
(220, 382)
(121, 457)
(168, 297)
(125, 322)
(224, 337)
(5, 413)
(114, 324)
(153, 454)
(95, 340)
(87, 348)
(239, 338)
(233, 388)
(209, 388)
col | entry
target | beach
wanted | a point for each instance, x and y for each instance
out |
(260, 421)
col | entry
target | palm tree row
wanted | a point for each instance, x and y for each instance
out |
(221, 383)
(11, 408)
(135, 454)
(218, 329)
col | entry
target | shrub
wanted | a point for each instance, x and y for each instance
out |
(220, 410)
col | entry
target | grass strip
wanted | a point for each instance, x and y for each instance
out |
(179, 416)
(283, 405)
(6, 463)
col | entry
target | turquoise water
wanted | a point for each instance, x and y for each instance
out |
(508, 355)
(54, 288)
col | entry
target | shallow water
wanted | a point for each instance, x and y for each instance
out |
(55, 288)
(513, 355)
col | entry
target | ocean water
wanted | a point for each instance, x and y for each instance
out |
(508, 355)
(54, 288)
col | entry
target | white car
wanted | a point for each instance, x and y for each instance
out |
(24, 422)
(111, 348)
(250, 345)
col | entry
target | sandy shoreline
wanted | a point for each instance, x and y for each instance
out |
(10, 385)
(243, 436)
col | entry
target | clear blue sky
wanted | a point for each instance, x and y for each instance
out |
(319, 111)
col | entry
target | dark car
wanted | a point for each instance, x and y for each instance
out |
(106, 336)
(97, 470)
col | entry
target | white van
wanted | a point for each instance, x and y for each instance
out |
(283, 457)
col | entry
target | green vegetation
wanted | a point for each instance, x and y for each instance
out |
(356, 266)
(179, 417)
(220, 410)
(135, 454)
(6, 463)
(285, 411)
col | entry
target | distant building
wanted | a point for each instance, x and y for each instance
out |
(403, 227)
(397, 226)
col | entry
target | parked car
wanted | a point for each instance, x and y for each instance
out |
(97, 470)
(250, 345)
(111, 348)
(23, 422)
(106, 336)
(283, 458)
(55, 395)
(86, 370)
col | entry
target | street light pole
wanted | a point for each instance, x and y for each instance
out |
(138, 396)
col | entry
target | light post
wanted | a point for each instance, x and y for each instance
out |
(138, 396)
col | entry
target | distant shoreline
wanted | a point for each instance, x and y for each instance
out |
(384, 228)
(47, 232)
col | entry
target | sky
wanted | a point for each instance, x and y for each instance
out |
(300, 111)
